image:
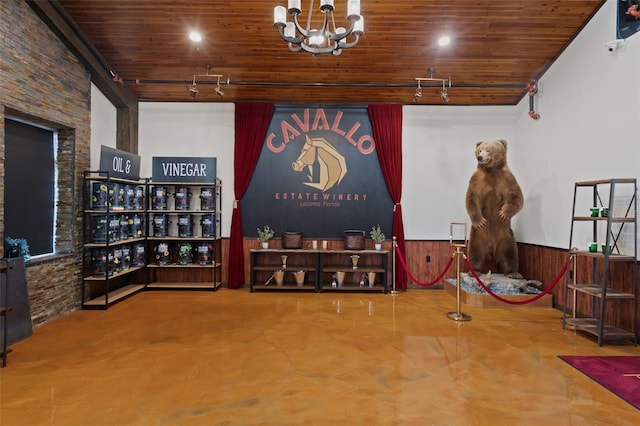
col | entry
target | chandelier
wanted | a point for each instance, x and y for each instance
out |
(326, 39)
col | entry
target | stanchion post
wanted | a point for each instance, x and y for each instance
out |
(458, 315)
(393, 267)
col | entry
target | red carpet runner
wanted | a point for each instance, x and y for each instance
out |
(619, 374)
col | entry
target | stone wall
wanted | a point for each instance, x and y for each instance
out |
(42, 82)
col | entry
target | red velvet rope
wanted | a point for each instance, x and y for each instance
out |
(404, 266)
(512, 302)
(556, 280)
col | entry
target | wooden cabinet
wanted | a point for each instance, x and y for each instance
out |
(184, 235)
(324, 270)
(113, 250)
(604, 231)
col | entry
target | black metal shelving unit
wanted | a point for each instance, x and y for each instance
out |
(618, 197)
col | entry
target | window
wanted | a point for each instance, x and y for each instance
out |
(30, 184)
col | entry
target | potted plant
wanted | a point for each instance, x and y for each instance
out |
(264, 235)
(377, 236)
(17, 247)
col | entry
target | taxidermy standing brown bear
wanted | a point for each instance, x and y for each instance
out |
(493, 198)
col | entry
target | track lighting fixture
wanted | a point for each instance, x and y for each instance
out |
(446, 82)
(193, 90)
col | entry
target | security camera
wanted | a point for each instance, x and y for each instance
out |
(614, 45)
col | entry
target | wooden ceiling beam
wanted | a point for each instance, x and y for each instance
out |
(126, 103)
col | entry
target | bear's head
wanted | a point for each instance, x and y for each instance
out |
(492, 154)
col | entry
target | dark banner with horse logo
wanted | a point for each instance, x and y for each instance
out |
(318, 173)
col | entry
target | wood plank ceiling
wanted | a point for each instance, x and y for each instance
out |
(497, 47)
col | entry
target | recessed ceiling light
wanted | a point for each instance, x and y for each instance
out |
(194, 36)
(444, 41)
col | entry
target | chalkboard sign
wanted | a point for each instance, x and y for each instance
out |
(119, 163)
(183, 169)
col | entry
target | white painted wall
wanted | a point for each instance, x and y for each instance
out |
(589, 129)
(103, 125)
(190, 130)
(589, 102)
(438, 159)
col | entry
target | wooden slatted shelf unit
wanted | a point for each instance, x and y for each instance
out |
(614, 213)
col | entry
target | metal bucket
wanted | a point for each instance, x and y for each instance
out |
(279, 277)
(117, 259)
(133, 197)
(207, 198)
(101, 263)
(371, 277)
(129, 195)
(159, 198)
(126, 257)
(136, 223)
(163, 255)
(114, 228)
(99, 196)
(125, 227)
(138, 200)
(185, 225)
(185, 253)
(139, 255)
(161, 225)
(205, 253)
(182, 198)
(208, 225)
(299, 276)
(116, 196)
(99, 228)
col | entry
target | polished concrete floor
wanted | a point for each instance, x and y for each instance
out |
(237, 358)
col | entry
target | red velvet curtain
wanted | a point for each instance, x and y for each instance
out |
(386, 121)
(251, 123)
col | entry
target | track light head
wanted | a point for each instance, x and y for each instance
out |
(444, 96)
(418, 95)
(193, 91)
(218, 91)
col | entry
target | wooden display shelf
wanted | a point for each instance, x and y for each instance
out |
(186, 265)
(114, 275)
(116, 243)
(183, 285)
(319, 264)
(596, 290)
(591, 327)
(113, 296)
(612, 257)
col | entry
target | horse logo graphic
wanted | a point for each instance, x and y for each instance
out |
(330, 163)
